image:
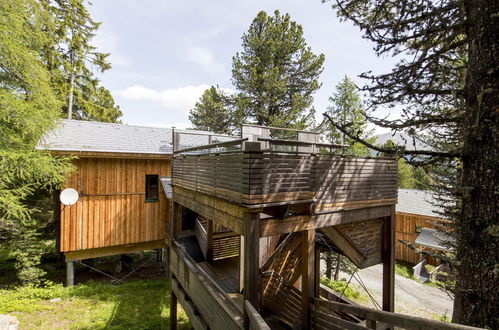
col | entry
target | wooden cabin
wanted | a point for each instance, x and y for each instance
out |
(416, 219)
(121, 206)
(122, 177)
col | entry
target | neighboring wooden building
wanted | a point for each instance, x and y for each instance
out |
(121, 206)
(416, 211)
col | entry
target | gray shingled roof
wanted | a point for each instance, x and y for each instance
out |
(417, 202)
(78, 135)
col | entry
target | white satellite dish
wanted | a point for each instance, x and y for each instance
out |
(68, 196)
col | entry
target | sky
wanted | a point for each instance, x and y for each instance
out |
(164, 54)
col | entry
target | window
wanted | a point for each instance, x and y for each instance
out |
(152, 187)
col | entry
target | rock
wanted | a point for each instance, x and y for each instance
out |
(8, 322)
(55, 300)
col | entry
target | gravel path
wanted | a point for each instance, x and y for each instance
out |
(411, 297)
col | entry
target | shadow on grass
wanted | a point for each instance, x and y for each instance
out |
(141, 304)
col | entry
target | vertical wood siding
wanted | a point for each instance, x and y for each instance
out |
(111, 209)
(406, 230)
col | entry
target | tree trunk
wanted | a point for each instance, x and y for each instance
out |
(329, 265)
(477, 228)
(337, 269)
(70, 96)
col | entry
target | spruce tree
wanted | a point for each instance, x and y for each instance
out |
(28, 108)
(447, 85)
(276, 73)
(71, 59)
(346, 107)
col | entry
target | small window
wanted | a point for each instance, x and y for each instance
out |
(152, 187)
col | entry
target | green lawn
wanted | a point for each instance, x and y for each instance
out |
(138, 304)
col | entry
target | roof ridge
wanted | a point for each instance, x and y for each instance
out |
(110, 124)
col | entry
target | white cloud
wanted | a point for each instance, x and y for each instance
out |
(182, 98)
(205, 58)
(107, 42)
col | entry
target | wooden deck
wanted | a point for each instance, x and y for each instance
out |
(276, 200)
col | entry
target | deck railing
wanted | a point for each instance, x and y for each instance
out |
(324, 318)
(265, 176)
(216, 308)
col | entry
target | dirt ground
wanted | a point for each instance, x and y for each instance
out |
(411, 297)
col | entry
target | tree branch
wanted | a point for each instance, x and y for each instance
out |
(402, 151)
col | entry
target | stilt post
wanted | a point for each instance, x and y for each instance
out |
(173, 310)
(252, 280)
(70, 273)
(308, 276)
(388, 303)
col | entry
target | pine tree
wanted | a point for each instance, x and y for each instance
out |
(346, 107)
(213, 112)
(446, 83)
(276, 73)
(28, 108)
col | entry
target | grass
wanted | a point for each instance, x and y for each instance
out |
(138, 304)
(404, 271)
(350, 291)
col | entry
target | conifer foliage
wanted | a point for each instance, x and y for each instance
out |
(447, 85)
(275, 76)
(44, 45)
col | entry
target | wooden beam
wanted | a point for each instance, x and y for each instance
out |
(194, 317)
(317, 274)
(344, 244)
(173, 308)
(279, 212)
(273, 226)
(252, 276)
(113, 250)
(176, 224)
(389, 262)
(255, 319)
(96, 154)
(307, 276)
(209, 240)
(392, 319)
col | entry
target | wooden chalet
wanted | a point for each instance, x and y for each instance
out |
(250, 219)
(122, 177)
(417, 216)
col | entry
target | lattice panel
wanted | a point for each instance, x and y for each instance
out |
(366, 236)
(226, 247)
(281, 298)
(286, 260)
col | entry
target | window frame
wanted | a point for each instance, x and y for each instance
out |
(147, 186)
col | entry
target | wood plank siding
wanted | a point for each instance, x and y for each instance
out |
(112, 209)
(406, 230)
(335, 182)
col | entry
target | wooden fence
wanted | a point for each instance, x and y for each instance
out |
(323, 318)
(254, 177)
(216, 308)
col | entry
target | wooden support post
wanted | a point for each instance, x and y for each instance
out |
(252, 276)
(317, 274)
(173, 309)
(241, 264)
(166, 262)
(70, 273)
(308, 276)
(209, 240)
(389, 263)
(176, 219)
